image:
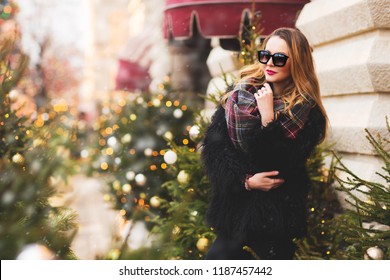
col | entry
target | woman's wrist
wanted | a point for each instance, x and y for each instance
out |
(246, 182)
(266, 119)
(266, 122)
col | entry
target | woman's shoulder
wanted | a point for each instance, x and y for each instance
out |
(300, 109)
(216, 133)
(316, 123)
(218, 116)
(316, 117)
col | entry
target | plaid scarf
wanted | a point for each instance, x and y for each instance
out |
(243, 117)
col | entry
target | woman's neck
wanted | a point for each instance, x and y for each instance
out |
(279, 87)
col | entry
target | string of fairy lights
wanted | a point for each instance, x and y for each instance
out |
(108, 142)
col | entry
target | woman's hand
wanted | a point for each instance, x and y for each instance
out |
(265, 104)
(262, 181)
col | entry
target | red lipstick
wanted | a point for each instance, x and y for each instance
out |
(270, 72)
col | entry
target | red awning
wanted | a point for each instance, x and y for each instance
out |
(222, 18)
(134, 62)
(132, 76)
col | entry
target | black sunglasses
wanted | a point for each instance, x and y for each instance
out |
(278, 59)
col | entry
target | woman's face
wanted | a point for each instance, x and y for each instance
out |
(275, 74)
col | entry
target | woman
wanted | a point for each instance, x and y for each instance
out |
(255, 151)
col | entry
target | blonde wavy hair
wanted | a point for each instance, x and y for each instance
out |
(304, 84)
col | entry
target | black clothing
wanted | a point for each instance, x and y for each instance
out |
(281, 212)
(227, 248)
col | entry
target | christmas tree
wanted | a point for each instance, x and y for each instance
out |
(322, 240)
(364, 227)
(133, 154)
(33, 162)
(185, 234)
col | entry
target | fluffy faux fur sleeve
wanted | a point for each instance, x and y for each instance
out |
(224, 165)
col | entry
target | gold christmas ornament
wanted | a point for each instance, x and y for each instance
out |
(112, 141)
(148, 152)
(126, 138)
(194, 132)
(114, 254)
(177, 113)
(126, 188)
(168, 135)
(170, 157)
(35, 252)
(156, 102)
(176, 230)
(325, 171)
(140, 100)
(191, 191)
(38, 142)
(13, 95)
(18, 159)
(374, 253)
(140, 179)
(130, 175)
(116, 185)
(155, 201)
(203, 244)
(183, 177)
(193, 216)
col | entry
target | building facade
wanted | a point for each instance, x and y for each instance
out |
(351, 42)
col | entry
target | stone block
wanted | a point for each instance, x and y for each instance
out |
(355, 65)
(349, 115)
(326, 21)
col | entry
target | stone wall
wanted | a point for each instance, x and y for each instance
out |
(351, 41)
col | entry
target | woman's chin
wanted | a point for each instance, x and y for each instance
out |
(269, 79)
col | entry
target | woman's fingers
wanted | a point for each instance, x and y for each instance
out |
(274, 183)
(270, 173)
(261, 92)
(263, 181)
(268, 88)
(270, 187)
(264, 90)
(277, 181)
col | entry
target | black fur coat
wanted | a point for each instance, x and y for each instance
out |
(278, 212)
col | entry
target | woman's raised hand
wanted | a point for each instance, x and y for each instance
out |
(265, 104)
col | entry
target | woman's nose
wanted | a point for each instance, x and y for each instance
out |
(270, 62)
